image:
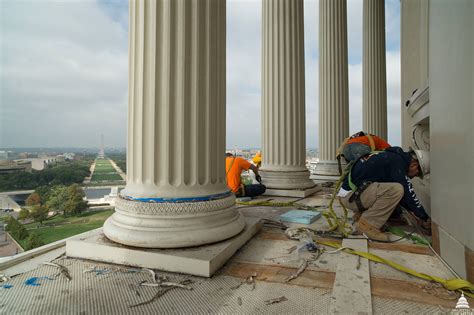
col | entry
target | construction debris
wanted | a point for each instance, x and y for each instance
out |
(163, 290)
(250, 280)
(239, 301)
(62, 270)
(153, 274)
(302, 268)
(164, 284)
(4, 278)
(276, 300)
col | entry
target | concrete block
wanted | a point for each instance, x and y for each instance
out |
(200, 261)
(292, 192)
(452, 252)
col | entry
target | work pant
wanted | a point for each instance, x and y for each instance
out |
(380, 199)
(251, 190)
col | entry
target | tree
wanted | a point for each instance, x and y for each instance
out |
(57, 199)
(24, 214)
(33, 199)
(16, 229)
(33, 241)
(75, 203)
(43, 192)
(39, 213)
(68, 200)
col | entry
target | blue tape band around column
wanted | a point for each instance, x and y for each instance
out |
(188, 199)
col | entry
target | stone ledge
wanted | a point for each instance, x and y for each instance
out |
(200, 261)
(292, 192)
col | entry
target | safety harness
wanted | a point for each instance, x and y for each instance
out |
(358, 190)
(339, 150)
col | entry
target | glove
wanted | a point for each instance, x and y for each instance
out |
(425, 225)
(258, 178)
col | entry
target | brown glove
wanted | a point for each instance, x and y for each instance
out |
(425, 225)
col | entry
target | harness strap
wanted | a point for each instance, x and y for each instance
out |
(356, 196)
(371, 141)
(230, 167)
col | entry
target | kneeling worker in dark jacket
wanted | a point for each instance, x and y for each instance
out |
(379, 182)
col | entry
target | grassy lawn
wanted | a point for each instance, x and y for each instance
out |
(103, 177)
(104, 171)
(59, 227)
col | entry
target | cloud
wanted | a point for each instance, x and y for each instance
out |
(65, 70)
(393, 97)
(243, 74)
(64, 75)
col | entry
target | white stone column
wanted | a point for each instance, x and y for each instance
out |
(283, 96)
(333, 83)
(176, 195)
(374, 92)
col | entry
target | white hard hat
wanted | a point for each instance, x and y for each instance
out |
(423, 158)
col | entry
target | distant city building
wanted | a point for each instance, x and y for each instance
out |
(7, 166)
(3, 155)
(101, 151)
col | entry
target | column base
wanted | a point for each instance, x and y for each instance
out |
(173, 224)
(326, 171)
(300, 193)
(201, 261)
(286, 180)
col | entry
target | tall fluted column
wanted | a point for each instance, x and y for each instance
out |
(283, 97)
(374, 93)
(176, 195)
(333, 83)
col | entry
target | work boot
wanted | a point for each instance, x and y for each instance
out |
(397, 221)
(371, 231)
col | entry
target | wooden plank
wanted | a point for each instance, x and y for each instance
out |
(412, 291)
(351, 293)
(309, 278)
(385, 288)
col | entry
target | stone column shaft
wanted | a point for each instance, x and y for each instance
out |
(176, 193)
(333, 78)
(283, 95)
(374, 93)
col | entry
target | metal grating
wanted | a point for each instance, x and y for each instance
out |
(115, 290)
(391, 306)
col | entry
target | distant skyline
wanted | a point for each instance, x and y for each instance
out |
(65, 70)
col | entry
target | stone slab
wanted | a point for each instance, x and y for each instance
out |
(351, 293)
(200, 261)
(292, 192)
(452, 252)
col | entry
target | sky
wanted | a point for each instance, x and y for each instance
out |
(64, 72)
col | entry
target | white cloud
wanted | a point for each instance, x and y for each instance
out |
(64, 75)
(64, 72)
(393, 97)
